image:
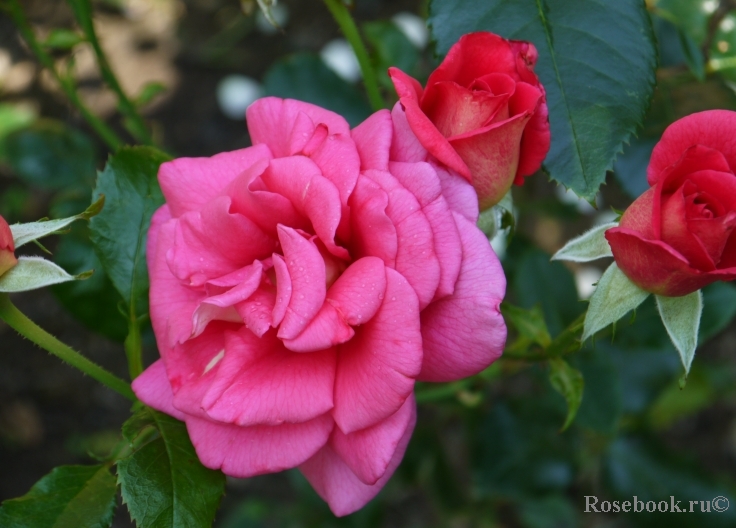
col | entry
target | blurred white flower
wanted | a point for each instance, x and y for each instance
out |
(414, 27)
(340, 58)
(235, 93)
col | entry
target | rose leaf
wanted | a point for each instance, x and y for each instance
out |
(596, 61)
(569, 382)
(162, 482)
(79, 496)
(132, 194)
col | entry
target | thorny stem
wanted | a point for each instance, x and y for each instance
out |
(30, 330)
(134, 122)
(350, 30)
(67, 84)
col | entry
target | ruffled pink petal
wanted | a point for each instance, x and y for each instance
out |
(193, 365)
(416, 259)
(189, 183)
(431, 139)
(373, 138)
(266, 209)
(369, 452)
(405, 146)
(335, 482)
(326, 330)
(249, 451)
(272, 121)
(465, 332)
(283, 289)
(259, 382)
(314, 196)
(221, 306)
(171, 304)
(715, 129)
(209, 243)
(358, 293)
(422, 181)
(376, 369)
(460, 195)
(257, 311)
(152, 388)
(308, 288)
(374, 234)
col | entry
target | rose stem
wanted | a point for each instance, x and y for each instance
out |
(134, 122)
(30, 330)
(350, 30)
(67, 84)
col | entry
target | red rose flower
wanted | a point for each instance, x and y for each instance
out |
(678, 236)
(7, 247)
(483, 112)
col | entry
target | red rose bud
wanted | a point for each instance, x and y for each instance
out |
(483, 113)
(7, 247)
(679, 235)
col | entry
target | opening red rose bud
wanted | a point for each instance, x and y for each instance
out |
(679, 235)
(7, 247)
(483, 113)
(299, 287)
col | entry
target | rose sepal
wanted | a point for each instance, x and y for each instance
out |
(614, 297)
(32, 273)
(681, 319)
(591, 245)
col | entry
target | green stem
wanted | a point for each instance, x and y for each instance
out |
(350, 30)
(30, 330)
(67, 85)
(134, 122)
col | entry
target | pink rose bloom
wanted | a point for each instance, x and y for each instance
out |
(299, 288)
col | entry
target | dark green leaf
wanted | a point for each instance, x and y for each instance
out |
(63, 39)
(568, 381)
(162, 482)
(68, 497)
(596, 61)
(132, 194)
(50, 155)
(306, 78)
(552, 511)
(94, 301)
(529, 323)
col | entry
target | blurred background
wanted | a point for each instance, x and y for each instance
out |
(488, 454)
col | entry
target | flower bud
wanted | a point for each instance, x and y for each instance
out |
(7, 247)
